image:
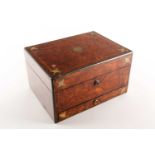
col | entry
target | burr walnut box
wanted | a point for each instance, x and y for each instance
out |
(73, 74)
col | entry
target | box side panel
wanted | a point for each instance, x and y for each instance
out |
(42, 92)
(38, 70)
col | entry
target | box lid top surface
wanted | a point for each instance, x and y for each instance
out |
(67, 55)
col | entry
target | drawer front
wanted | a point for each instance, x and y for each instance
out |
(90, 72)
(84, 106)
(87, 90)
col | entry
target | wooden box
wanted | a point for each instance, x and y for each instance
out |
(73, 74)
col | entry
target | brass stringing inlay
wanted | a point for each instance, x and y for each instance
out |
(123, 90)
(62, 115)
(55, 71)
(123, 49)
(127, 60)
(61, 83)
(33, 48)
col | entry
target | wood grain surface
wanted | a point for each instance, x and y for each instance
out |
(66, 55)
(87, 90)
(73, 74)
(91, 103)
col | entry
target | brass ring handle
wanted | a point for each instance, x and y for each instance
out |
(96, 101)
(96, 82)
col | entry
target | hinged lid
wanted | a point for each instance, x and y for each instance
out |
(67, 55)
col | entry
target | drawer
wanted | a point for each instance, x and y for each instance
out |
(87, 90)
(90, 72)
(91, 103)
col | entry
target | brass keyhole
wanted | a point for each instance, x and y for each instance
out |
(96, 82)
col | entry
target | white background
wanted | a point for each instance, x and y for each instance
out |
(27, 22)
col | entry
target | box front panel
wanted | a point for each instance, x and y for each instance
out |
(93, 88)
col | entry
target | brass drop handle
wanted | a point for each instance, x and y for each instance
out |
(96, 82)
